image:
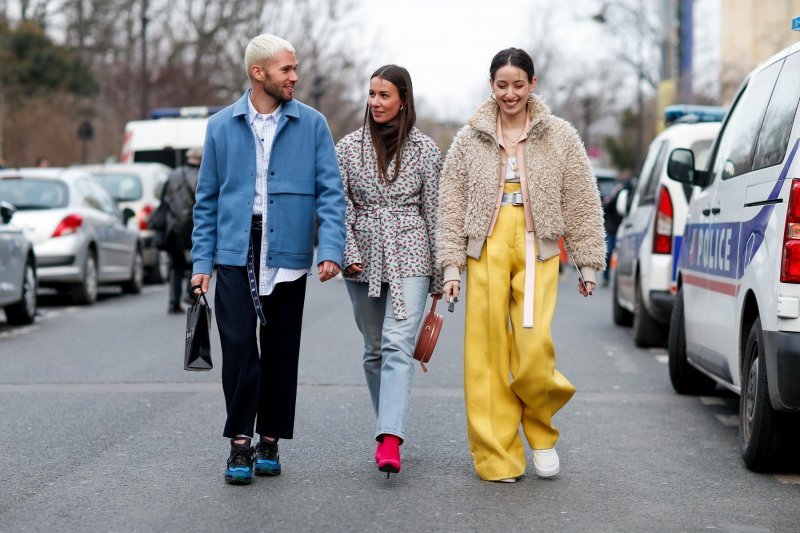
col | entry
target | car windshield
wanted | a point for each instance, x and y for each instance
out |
(123, 187)
(606, 184)
(34, 193)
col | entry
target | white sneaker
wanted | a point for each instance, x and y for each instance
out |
(545, 462)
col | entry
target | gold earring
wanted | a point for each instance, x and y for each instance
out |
(493, 97)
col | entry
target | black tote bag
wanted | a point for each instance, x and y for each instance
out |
(197, 355)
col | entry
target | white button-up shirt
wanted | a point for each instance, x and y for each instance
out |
(264, 128)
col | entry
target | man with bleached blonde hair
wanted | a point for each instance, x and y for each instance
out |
(269, 167)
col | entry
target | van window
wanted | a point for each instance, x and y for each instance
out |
(778, 121)
(652, 179)
(735, 153)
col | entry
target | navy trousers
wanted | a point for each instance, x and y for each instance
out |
(259, 388)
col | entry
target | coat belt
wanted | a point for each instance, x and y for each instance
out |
(383, 250)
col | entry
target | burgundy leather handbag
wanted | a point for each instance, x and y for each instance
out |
(428, 335)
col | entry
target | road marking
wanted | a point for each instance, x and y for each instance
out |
(663, 359)
(730, 421)
(788, 479)
(712, 400)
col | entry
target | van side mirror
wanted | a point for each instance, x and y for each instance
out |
(622, 203)
(680, 166)
(7, 211)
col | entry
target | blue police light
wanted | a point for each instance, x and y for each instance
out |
(184, 112)
(796, 24)
(693, 113)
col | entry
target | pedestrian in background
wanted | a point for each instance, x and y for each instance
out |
(391, 174)
(179, 196)
(42, 162)
(506, 239)
(269, 166)
(611, 221)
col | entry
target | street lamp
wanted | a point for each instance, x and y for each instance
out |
(143, 74)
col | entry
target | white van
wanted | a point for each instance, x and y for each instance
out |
(736, 320)
(166, 137)
(650, 233)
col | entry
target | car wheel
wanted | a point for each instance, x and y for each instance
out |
(134, 285)
(685, 378)
(24, 311)
(646, 331)
(764, 434)
(159, 272)
(86, 291)
(621, 316)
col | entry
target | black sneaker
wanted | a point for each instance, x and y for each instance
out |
(240, 464)
(268, 462)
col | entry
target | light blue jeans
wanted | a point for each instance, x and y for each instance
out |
(388, 349)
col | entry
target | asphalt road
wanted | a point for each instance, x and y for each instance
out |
(102, 430)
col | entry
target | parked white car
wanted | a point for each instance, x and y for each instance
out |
(138, 186)
(736, 320)
(80, 237)
(651, 232)
(17, 271)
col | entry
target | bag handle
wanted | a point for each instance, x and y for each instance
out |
(198, 296)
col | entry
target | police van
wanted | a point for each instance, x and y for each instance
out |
(650, 233)
(167, 136)
(736, 320)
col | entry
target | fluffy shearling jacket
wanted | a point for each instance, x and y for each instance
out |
(565, 200)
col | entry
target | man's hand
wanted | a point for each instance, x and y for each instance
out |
(327, 270)
(202, 280)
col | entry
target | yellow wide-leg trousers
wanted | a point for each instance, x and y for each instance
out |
(509, 371)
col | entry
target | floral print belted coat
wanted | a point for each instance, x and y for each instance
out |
(391, 227)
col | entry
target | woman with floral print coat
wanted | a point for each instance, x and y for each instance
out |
(391, 181)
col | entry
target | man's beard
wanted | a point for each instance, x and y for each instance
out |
(275, 90)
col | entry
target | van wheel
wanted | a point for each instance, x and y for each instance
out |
(621, 316)
(24, 311)
(134, 285)
(764, 434)
(685, 378)
(85, 292)
(646, 331)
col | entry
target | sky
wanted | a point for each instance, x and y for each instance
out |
(447, 45)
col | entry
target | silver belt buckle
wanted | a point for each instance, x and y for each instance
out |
(512, 198)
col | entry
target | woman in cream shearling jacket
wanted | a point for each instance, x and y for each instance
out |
(516, 179)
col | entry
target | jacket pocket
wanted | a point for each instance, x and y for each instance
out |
(304, 187)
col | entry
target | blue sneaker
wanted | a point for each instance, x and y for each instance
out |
(268, 462)
(240, 465)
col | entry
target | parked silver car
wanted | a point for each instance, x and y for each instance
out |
(17, 270)
(80, 237)
(138, 186)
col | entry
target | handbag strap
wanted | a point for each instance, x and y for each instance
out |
(435, 298)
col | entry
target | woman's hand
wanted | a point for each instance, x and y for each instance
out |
(451, 290)
(353, 269)
(586, 288)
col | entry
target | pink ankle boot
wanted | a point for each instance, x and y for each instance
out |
(379, 452)
(389, 460)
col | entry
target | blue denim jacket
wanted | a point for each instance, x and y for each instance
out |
(303, 179)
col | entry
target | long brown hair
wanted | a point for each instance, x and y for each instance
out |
(389, 140)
